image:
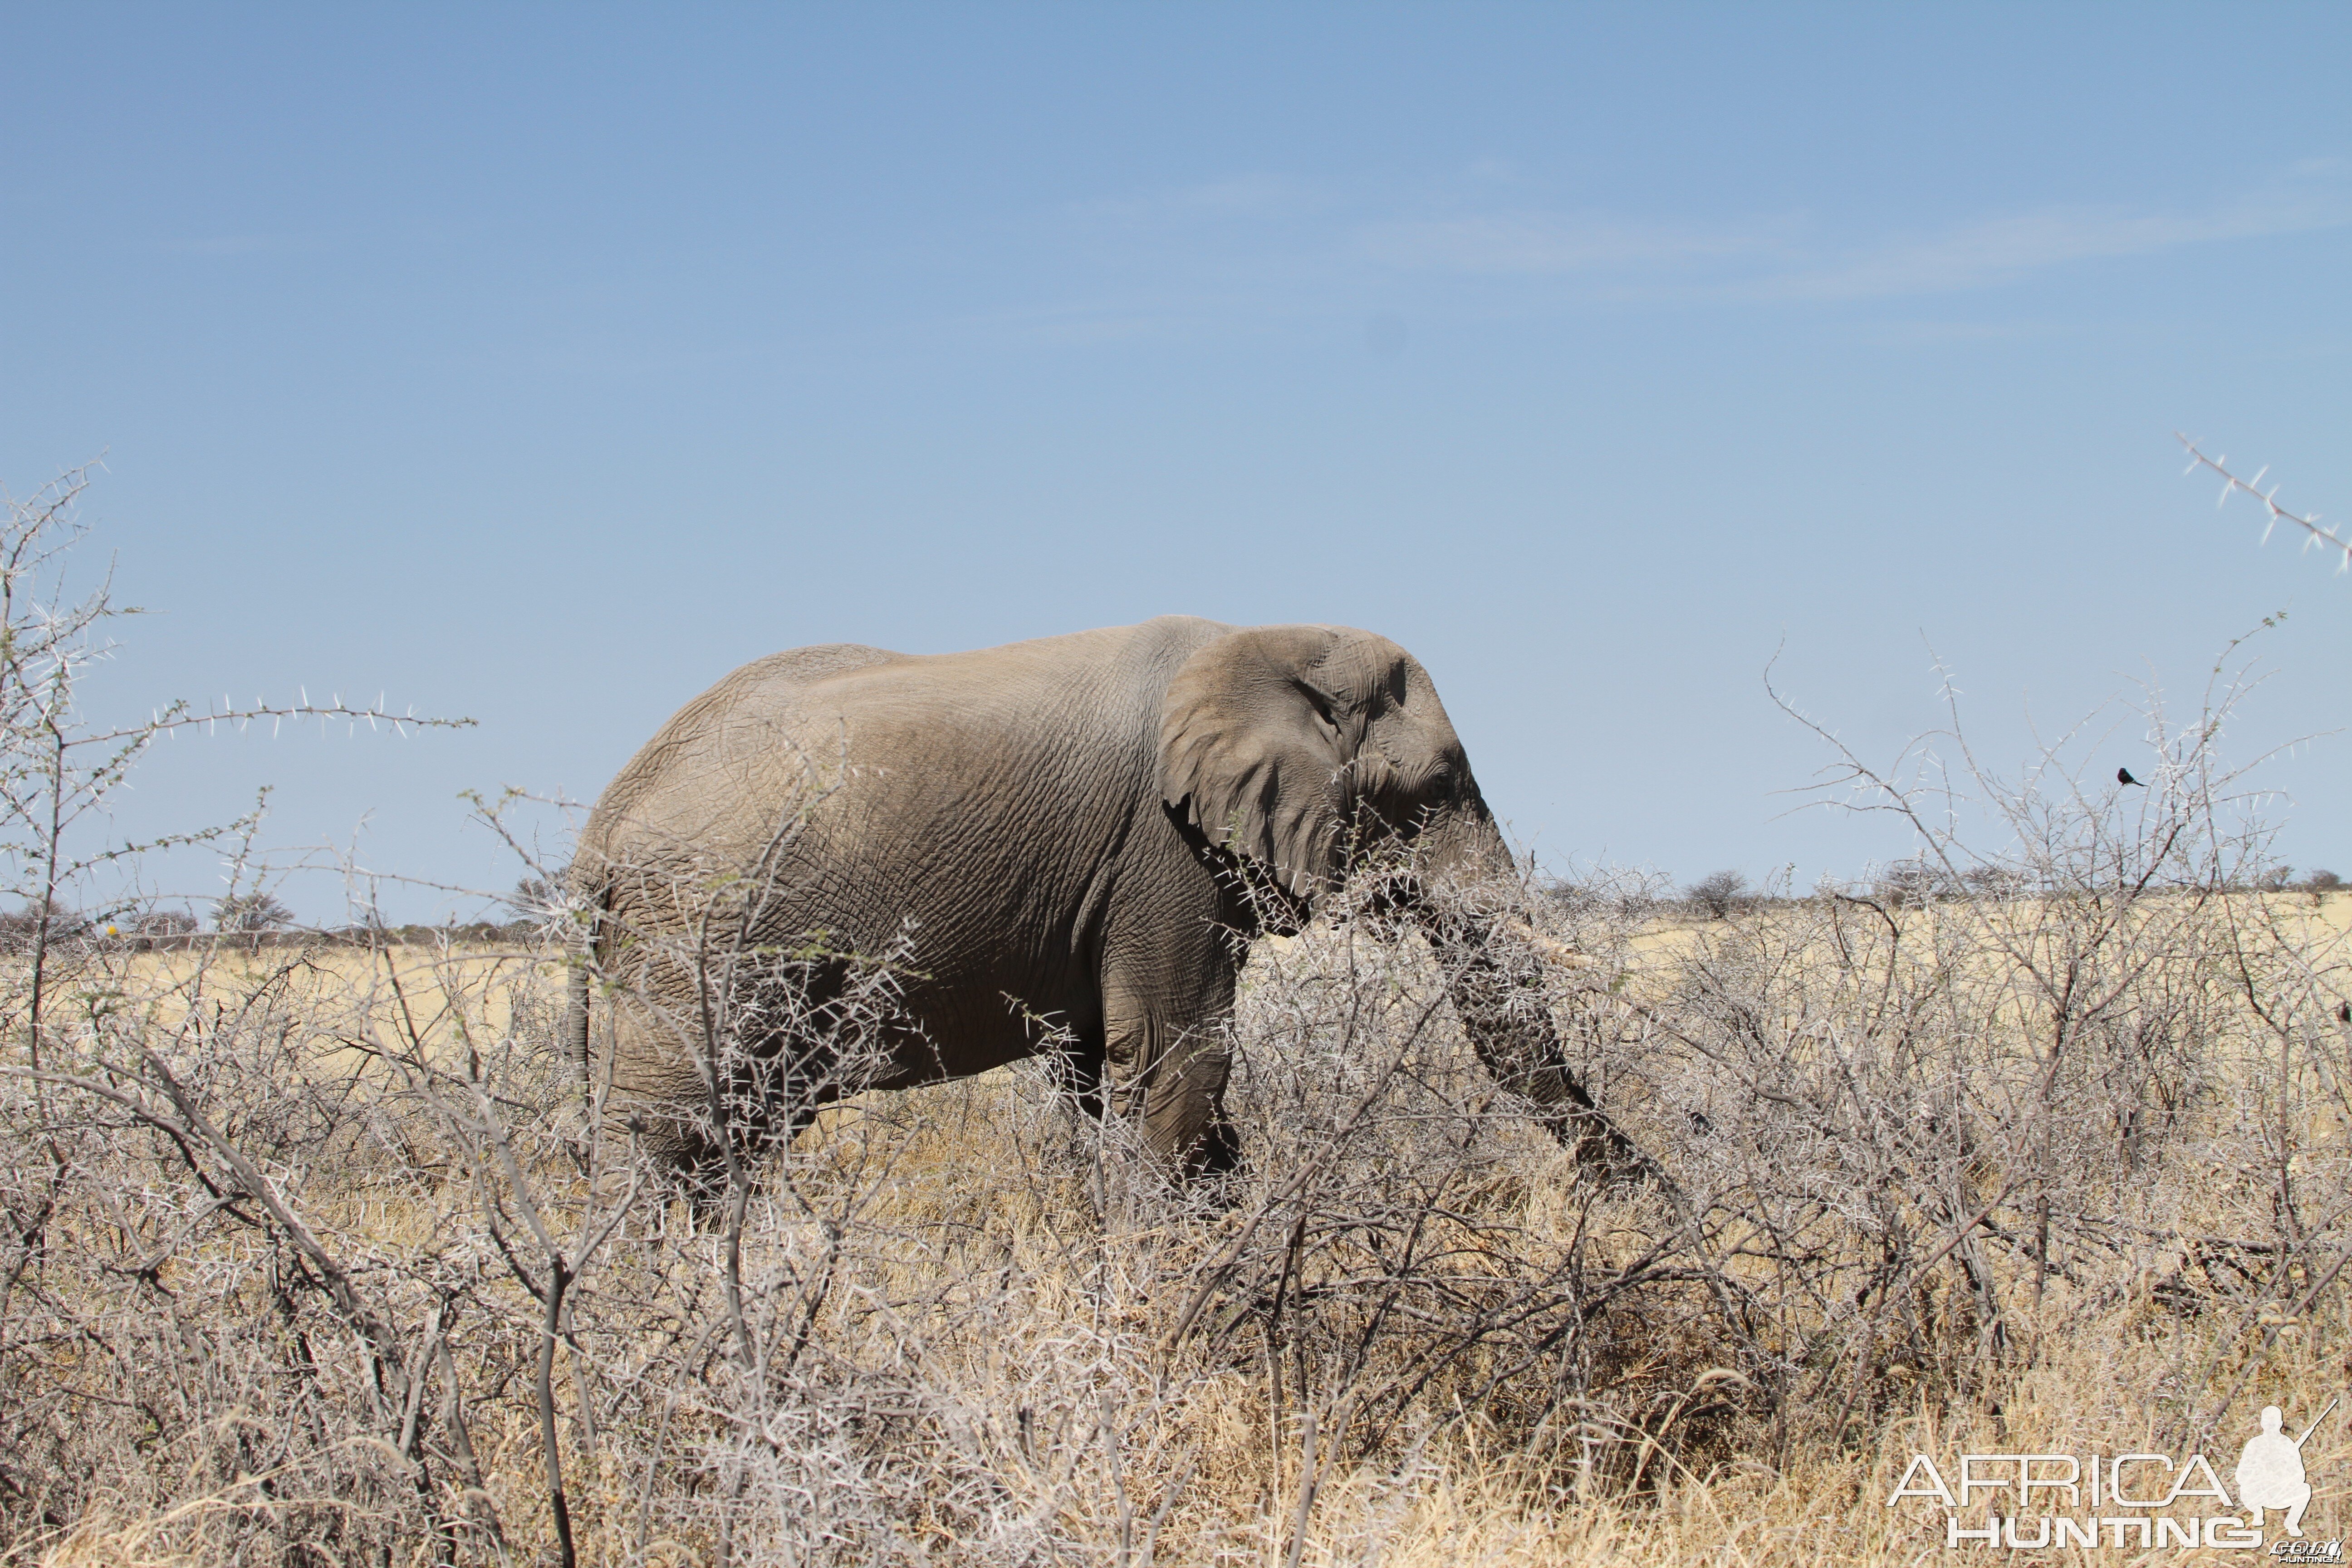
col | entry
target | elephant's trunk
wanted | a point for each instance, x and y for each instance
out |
(1470, 890)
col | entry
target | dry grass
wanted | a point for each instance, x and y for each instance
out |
(982, 1330)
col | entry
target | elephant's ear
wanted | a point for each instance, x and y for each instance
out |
(1254, 747)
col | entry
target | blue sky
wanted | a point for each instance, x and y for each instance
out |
(541, 364)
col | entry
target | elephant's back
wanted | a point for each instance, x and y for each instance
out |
(800, 667)
(911, 755)
(742, 717)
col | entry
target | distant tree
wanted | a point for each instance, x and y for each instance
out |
(1911, 882)
(254, 912)
(2322, 882)
(155, 928)
(21, 928)
(536, 900)
(1717, 893)
(1994, 881)
(2274, 878)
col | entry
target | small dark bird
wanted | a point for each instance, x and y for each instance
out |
(2122, 776)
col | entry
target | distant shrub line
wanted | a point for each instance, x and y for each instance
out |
(1723, 894)
(19, 931)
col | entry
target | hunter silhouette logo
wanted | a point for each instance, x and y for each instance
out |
(2035, 1501)
(2270, 1470)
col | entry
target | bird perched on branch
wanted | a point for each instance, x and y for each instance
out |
(2122, 776)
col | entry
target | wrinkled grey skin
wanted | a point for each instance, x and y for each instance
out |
(1070, 826)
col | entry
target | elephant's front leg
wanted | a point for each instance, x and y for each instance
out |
(1165, 1058)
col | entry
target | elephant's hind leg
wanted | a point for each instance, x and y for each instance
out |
(659, 1096)
(690, 1105)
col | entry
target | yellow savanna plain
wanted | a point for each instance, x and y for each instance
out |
(2103, 1362)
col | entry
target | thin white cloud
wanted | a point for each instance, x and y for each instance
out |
(239, 244)
(1258, 246)
(1782, 257)
(1999, 250)
(1538, 242)
(1936, 334)
(1242, 196)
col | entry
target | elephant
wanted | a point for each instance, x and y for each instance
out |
(1068, 840)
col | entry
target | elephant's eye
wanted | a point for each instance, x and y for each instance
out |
(1322, 705)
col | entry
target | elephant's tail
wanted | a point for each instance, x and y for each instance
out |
(575, 1022)
(590, 892)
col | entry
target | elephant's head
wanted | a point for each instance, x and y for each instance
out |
(1296, 750)
(1291, 751)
